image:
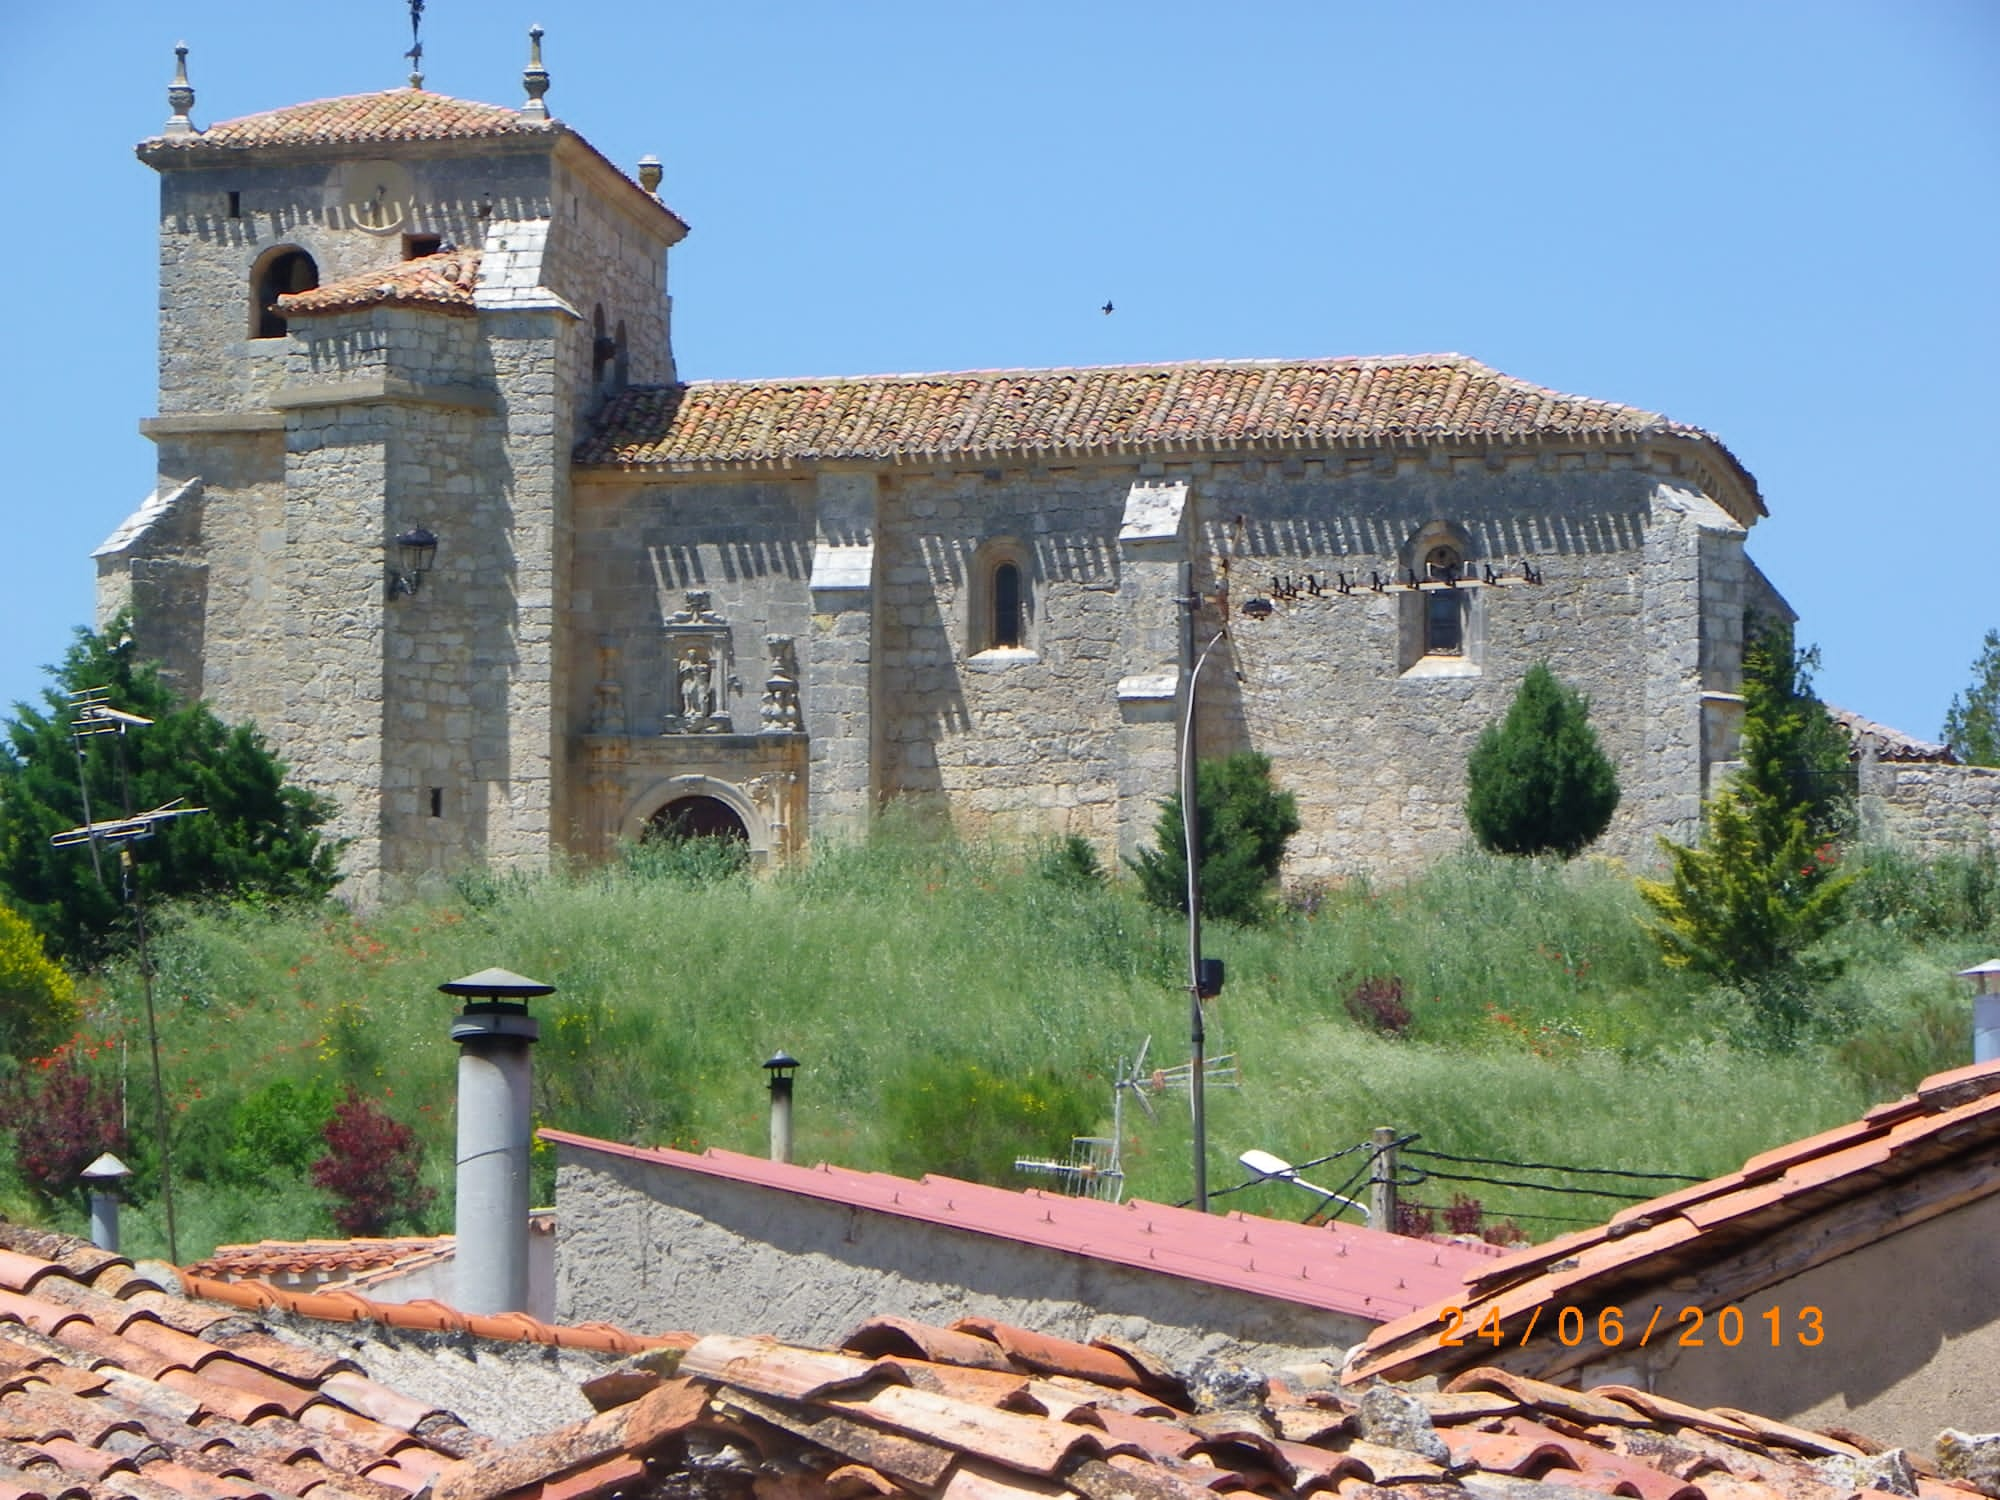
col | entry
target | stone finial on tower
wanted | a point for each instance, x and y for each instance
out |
(180, 95)
(535, 78)
(649, 173)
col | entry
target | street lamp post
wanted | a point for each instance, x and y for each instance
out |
(1200, 982)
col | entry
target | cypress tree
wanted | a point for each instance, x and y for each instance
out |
(1537, 782)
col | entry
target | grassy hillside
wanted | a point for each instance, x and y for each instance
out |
(953, 1003)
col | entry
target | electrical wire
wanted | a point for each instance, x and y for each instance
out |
(1543, 1166)
(1536, 1187)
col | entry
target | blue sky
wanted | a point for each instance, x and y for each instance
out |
(1776, 220)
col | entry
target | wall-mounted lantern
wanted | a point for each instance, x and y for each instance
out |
(416, 551)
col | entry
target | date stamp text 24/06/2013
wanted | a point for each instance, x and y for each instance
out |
(1611, 1329)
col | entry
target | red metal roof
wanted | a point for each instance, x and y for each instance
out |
(1953, 1117)
(1362, 1272)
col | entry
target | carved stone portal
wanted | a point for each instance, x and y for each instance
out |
(703, 660)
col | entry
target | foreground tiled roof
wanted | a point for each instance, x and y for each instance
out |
(1953, 1118)
(112, 1387)
(983, 1411)
(1889, 744)
(1237, 403)
(1361, 1272)
(390, 115)
(443, 281)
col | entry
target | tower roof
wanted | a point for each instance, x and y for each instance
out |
(403, 114)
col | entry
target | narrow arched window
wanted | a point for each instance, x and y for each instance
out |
(281, 272)
(1007, 605)
(1444, 618)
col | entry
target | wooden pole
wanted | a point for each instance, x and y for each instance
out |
(1382, 1180)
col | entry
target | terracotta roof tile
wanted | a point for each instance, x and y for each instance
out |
(327, 1259)
(1953, 1117)
(425, 1313)
(358, 119)
(443, 282)
(846, 1419)
(100, 1396)
(1223, 404)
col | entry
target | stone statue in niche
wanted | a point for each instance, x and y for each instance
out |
(779, 712)
(698, 640)
(697, 685)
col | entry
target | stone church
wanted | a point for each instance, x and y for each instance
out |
(436, 510)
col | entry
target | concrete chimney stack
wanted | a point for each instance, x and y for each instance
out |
(106, 1177)
(494, 1033)
(1985, 981)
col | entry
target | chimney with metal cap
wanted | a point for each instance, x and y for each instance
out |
(1985, 981)
(106, 1177)
(494, 1033)
(781, 1066)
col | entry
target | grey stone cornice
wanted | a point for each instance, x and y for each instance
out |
(384, 388)
(201, 423)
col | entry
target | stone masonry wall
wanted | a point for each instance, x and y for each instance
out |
(1644, 581)
(1930, 809)
(209, 362)
(649, 1249)
(601, 256)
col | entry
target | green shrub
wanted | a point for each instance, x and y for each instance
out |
(1537, 782)
(37, 1001)
(1071, 862)
(686, 861)
(1245, 824)
(1745, 904)
(960, 1118)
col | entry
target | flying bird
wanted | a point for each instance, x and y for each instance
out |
(1106, 309)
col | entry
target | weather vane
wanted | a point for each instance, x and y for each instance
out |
(416, 52)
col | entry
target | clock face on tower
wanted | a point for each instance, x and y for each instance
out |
(379, 197)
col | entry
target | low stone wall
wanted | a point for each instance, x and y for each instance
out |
(1928, 808)
(649, 1248)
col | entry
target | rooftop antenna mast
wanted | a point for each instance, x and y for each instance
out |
(416, 52)
(94, 715)
(1094, 1167)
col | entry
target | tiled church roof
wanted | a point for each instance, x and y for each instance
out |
(443, 281)
(359, 119)
(1118, 407)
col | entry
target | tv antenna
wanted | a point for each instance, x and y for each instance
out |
(93, 715)
(1094, 1167)
(1091, 1169)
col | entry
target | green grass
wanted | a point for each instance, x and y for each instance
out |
(1543, 1026)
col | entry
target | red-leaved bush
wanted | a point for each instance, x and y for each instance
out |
(64, 1118)
(371, 1166)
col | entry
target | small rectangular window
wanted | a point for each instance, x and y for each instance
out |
(415, 245)
(235, 204)
(1443, 634)
(437, 801)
